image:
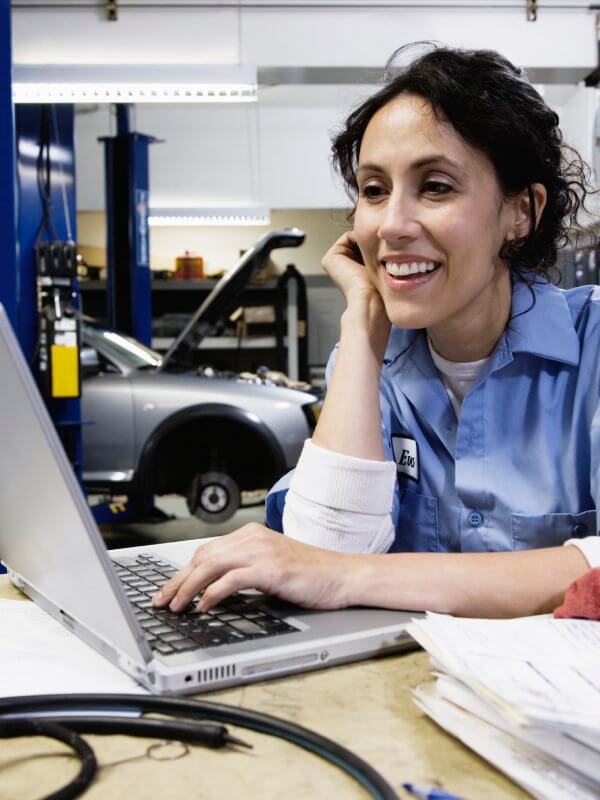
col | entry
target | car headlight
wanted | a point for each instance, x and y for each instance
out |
(312, 412)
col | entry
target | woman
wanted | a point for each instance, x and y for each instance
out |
(463, 393)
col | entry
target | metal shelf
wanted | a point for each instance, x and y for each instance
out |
(286, 337)
(222, 343)
(205, 285)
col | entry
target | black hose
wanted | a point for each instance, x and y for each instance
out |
(325, 748)
(13, 728)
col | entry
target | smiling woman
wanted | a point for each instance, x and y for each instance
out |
(461, 418)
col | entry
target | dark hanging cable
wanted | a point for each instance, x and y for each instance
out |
(44, 177)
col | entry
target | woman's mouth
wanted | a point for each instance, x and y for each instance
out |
(409, 275)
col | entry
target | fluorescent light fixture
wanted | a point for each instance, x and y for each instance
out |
(209, 216)
(134, 83)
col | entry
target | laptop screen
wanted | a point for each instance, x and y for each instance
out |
(47, 533)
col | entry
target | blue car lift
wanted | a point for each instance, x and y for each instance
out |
(66, 411)
(22, 212)
(129, 288)
(8, 189)
(128, 284)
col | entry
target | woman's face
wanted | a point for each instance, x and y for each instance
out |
(431, 206)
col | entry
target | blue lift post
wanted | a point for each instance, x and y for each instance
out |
(9, 284)
(8, 190)
(129, 287)
(65, 412)
(21, 206)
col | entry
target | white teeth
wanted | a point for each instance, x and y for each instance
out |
(412, 268)
(393, 269)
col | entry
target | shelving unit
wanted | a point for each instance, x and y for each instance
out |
(229, 351)
(162, 343)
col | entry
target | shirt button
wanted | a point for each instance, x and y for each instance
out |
(580, 529)
(475, 519)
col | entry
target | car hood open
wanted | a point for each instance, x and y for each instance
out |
(223, 299)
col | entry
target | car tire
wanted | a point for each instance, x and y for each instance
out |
(213, 497)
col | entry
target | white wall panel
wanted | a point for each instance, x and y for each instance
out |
(206, 158)
(366, 37)
(295, 149)
(277, 153)
(210, 155)
(89, 157)
(142, 36)
(295, 37)
(577, 119)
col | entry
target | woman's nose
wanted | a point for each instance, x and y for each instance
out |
(399, 221)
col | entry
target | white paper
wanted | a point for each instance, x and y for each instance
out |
(536, 670)
(39, 656)
(558, 640)
(578, 756)
(540, 776)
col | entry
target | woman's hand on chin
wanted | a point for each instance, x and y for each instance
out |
(255, 557)
(344, 264)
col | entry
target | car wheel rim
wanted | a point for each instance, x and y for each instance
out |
(214, 498)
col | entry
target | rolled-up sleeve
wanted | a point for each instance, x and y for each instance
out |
(590, 547)
(339, 502)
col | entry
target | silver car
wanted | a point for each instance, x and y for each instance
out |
(153, 426)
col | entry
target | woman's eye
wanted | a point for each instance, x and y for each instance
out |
(371, 191)
(437, 187)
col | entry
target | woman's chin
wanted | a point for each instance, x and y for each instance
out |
(402, 316)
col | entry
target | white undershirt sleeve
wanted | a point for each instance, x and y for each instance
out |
(340, 502)
(590, 547)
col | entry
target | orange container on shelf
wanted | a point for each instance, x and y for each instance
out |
(189, 267)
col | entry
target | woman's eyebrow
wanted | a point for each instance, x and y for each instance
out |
(434, 158)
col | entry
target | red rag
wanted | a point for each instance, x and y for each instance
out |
(582, 598)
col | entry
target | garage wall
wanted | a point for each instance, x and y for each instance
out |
(273, 153)
(276, 153)
(285, 32)
(220, 246)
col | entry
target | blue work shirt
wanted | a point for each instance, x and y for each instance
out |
(519, 468)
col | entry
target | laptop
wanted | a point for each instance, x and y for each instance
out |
(54, 553)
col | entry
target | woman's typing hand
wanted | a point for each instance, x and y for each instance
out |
(255, 557)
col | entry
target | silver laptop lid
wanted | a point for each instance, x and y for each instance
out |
(47, 532)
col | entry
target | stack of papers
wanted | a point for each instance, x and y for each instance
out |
(523, 693)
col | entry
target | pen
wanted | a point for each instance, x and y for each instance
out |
(429, 794)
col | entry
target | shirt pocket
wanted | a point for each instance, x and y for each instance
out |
(550, 530)
(417, 524)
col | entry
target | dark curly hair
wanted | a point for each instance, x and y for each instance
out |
(494, 108)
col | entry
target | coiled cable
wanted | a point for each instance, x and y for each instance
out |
(191, 728)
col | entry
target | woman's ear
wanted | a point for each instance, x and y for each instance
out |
(521, 204)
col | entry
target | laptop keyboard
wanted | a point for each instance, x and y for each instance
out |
(238, 618)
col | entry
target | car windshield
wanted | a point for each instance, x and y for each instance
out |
(125, 350)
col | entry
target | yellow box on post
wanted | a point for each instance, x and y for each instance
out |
(64, 370)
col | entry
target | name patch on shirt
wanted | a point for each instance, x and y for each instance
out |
(406, 454)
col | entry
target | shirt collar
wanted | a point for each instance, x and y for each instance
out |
(543, 329)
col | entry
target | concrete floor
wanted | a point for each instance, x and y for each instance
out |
(182, 527)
